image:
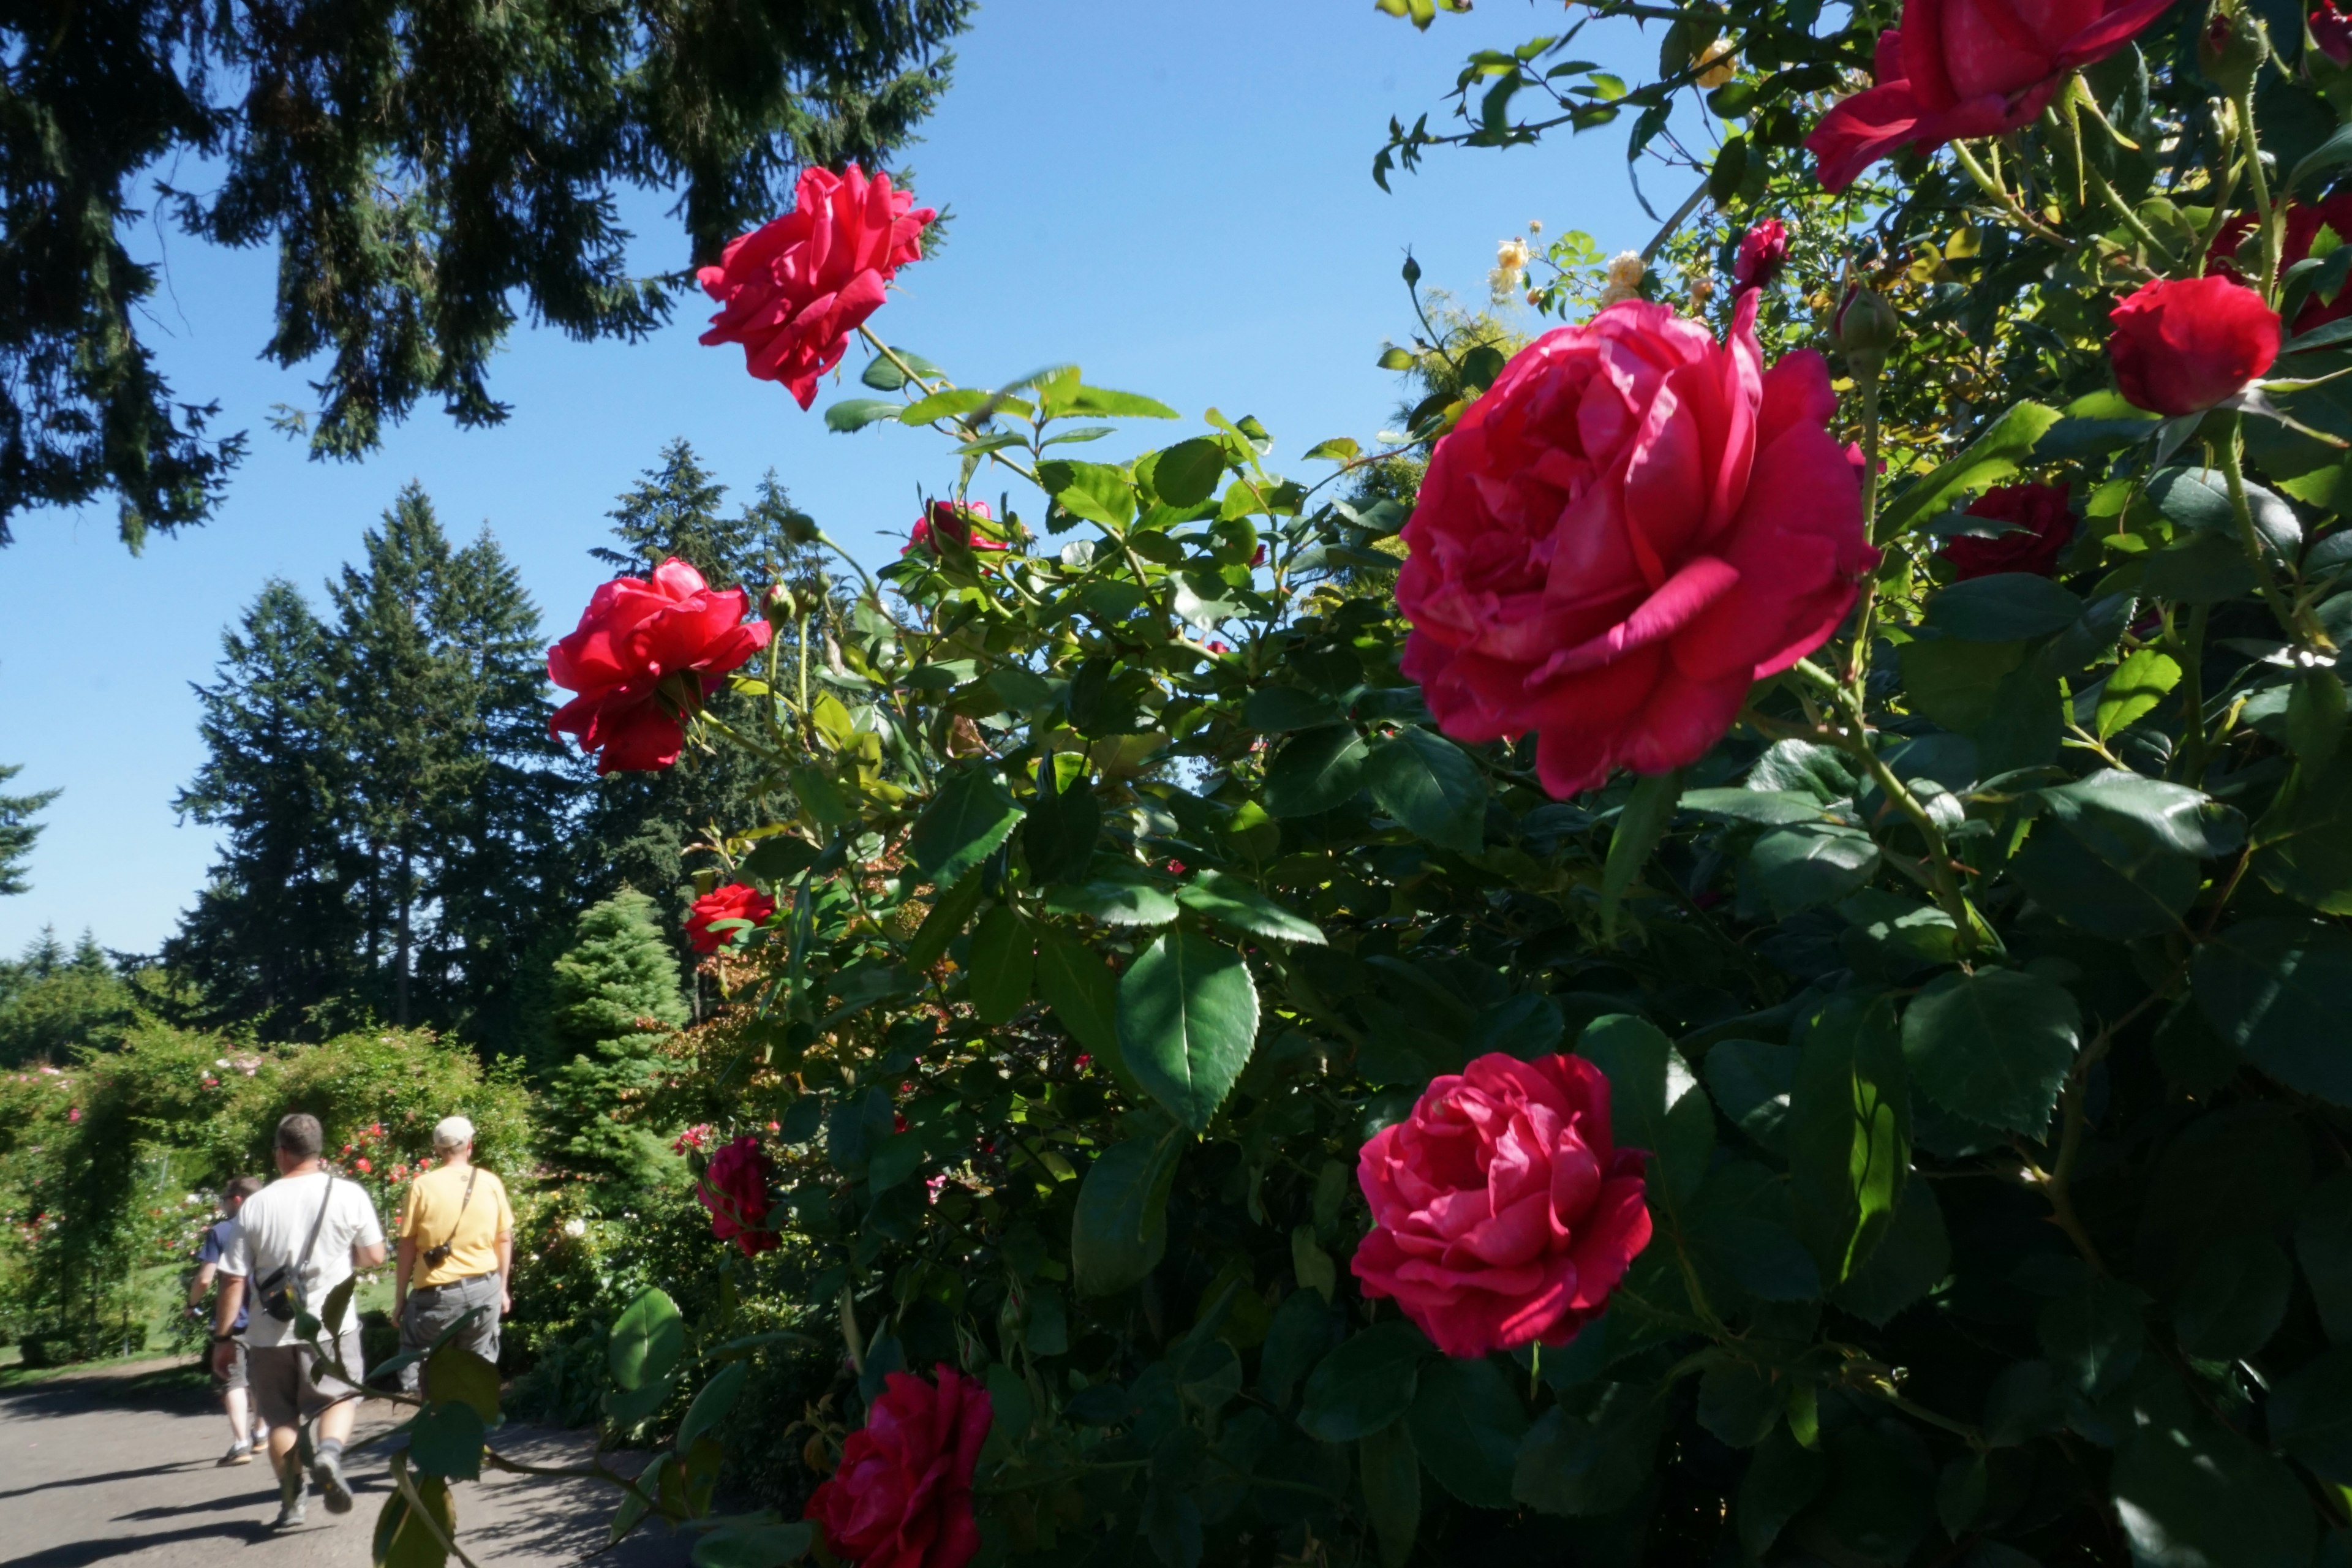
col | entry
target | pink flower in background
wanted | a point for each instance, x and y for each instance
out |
(735, 901)
(734, 1188)
(902, 1495)
(1958, 69)
(1763, 251)
(645, 654)
(2045, 525)
(951, 521)
(1502, 1213)
(792, 290)
(1631, 528)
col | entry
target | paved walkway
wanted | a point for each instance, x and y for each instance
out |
(116, 1468)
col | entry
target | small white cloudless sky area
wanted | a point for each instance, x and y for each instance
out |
(1177, 199)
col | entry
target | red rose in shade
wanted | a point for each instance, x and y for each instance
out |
(2303, 222)
(1763, 251)
(735, 901)
(2045, 526)
(951, 521)
(794, 289)
(2331, 29)
(644, 655)
(2181, 346)
(1502, 1215)
(1628, 529)
(1958, 69)
(734, 1188)
(902, 1495)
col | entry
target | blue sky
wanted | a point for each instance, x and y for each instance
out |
(1177, 198)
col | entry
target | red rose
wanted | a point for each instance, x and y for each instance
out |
(735, 901)
(2331, 29)
(644, 655)
(734, 1188)
(794, 289)
(2181, 346)
(902, 1495)
(1501, 1213)
(2044, 528)
(1763, 251)
(1626, 531)
(2303, 222)
(951, 521)
(1957, 68)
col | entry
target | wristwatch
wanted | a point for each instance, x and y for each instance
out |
(223, 1339)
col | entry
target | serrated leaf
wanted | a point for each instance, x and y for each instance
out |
(1187, 1022)
(1232, 903)
(1430, 784)
(972, 813)
(857, 413)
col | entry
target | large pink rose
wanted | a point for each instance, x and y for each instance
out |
(794, 289)
(1628, 529)
(734, 1188)
(1969, 68)
(902, 1495)
(645, 654)
(1501, 1213)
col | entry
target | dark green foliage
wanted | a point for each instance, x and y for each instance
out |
(53, 1002)
(611, 998)
(427, 173)
(19, 830)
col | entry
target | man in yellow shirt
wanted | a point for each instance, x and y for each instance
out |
(455, 1250)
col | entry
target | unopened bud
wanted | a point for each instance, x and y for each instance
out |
(781, 608)
(1866, 329)
(2232, 48)
(799, 527)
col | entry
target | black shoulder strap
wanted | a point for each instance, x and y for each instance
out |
(471, 1172)
(302, 1264)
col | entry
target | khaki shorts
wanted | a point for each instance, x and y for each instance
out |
(283, 1390)
(235, 1377)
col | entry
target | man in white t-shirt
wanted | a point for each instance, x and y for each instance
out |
(296, 1239)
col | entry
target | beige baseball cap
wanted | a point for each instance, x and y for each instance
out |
(452, 1132)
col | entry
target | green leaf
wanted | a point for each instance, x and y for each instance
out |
(1654, 1102)
(2323, 1245)
(1316, 770)
(1739, 1232)
(1104, 403)
(1781, 1479)
(883, 374)
(712, 1404)
(1187, 1022)
(1803, 867)
(2235, 1298)
(1118, 1229)
(1084, 994)
(1392, 1476)
(2092, 1335)
(1849, 1131)
(1113, 902)
(1993, 1046)
(1594, 1462)
(2116, 855)
(1738, 1402)
(857, 413)
(967, 819)
(1338, 450)
(646, 1341)
(1881, 1500)
(446, 1440)
(1365, 1385)
(1095, 491)
(1430, 784)
(1278, 709)
(951, 913)
(1769, 808)
(947, 404)
(407, 1539)
(779, 857)
(1232, 903)
(2275, 988)
(1002, 959)
(2310, 1415)
(1187, 473)
(2198, 500)
(2304, 843)
(2132, 692)
(1750, 1080)
(753, 1545)
(1640, 827)
(454, 1373)
(1466, 1423)
(2194, 1494)
(1992, 456)
(1912, 1259)
(1058, 838)
(2006, 607)
(1955, 683)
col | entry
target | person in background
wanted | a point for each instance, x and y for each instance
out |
(243, 1429)
(455, 1251)
(298, 1239)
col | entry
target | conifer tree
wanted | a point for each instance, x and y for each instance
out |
(19, 830)
(53, 1002)
(611, 997)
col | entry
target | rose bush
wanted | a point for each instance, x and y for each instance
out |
(902, 1495)
(734, 1188)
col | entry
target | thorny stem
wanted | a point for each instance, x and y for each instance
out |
(1857, 667)
(2291, 618)
(2262, 185)
(2008, 203)
(849, 1332)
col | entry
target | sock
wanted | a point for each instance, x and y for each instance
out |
(330, 1448)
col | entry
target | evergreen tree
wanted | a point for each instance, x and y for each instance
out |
(427, 170)
(53, 1002)
(19, 830)
(611, 997)
(275, 934)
